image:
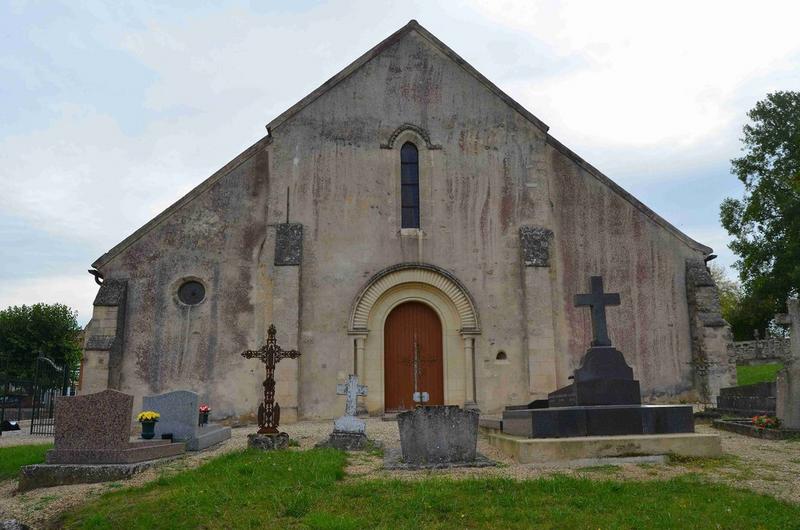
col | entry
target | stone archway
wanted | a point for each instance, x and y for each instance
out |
(447, 297)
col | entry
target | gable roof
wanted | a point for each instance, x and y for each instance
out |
(412, 25)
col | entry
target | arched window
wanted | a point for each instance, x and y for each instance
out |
(409, 183)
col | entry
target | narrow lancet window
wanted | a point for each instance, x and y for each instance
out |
(409, 184)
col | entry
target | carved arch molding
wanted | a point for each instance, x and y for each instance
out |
(408, 273)
(419, 131)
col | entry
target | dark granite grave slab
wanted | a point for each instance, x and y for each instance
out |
(600, 420)
(603, 362)
(748, 400)
(746, 428)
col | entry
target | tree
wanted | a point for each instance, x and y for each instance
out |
(27, 331)
(765, 222)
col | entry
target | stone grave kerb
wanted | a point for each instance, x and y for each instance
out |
(179, 413)
(94, 421)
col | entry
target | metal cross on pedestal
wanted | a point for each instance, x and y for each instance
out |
(352, 390)
(598, 300)
(269, 412)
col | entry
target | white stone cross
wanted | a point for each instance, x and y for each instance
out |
(352, 390)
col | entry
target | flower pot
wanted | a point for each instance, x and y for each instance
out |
(203, 418)
(148, 429)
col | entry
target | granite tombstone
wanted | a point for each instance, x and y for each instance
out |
(604, 398)
(92, 443)
(179, 420)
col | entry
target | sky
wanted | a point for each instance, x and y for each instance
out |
(111, 111)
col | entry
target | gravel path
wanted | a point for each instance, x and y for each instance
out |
(765, 466)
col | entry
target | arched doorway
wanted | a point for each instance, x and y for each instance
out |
(412, 330)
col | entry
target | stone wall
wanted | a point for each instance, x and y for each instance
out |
(772, 350)
(711, 362)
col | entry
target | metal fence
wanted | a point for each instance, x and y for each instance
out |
(34, 399)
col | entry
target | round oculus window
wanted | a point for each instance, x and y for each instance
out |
(191, 292)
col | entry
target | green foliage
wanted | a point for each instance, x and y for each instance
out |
(25, 331)
(765, 223)
(14, 457)
(761, 373)
(292, 489)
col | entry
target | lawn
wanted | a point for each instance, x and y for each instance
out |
(16, 456)
(762, 373)
(292, 489)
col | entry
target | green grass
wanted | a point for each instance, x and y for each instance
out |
(16, 456)
(762, 373)
(292, 489)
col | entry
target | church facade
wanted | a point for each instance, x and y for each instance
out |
(412, 224)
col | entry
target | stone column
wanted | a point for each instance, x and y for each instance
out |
(787, 403)
(538, 308)
(361, 407)
(469, 373)
(101, 364)
(286, 315)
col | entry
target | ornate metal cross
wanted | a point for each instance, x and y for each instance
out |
(269, 412)
(598, 300)
(416, 366)
(352, 390)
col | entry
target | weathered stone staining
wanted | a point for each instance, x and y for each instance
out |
(92, 438)
(179, 419)
(349, 431)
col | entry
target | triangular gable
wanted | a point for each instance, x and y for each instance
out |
(412, 25)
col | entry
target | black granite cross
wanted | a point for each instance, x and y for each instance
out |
(598, 300)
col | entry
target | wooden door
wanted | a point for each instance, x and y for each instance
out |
(405, 323)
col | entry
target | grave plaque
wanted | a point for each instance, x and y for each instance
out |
(179, 415)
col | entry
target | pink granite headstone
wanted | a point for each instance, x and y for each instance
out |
(94, 421)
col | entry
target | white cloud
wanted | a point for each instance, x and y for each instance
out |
(78, 292)
(644, 91)
(651, 72)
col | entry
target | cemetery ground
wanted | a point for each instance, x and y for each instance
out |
(754, 485)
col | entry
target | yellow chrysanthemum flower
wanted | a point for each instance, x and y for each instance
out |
(148, 415)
